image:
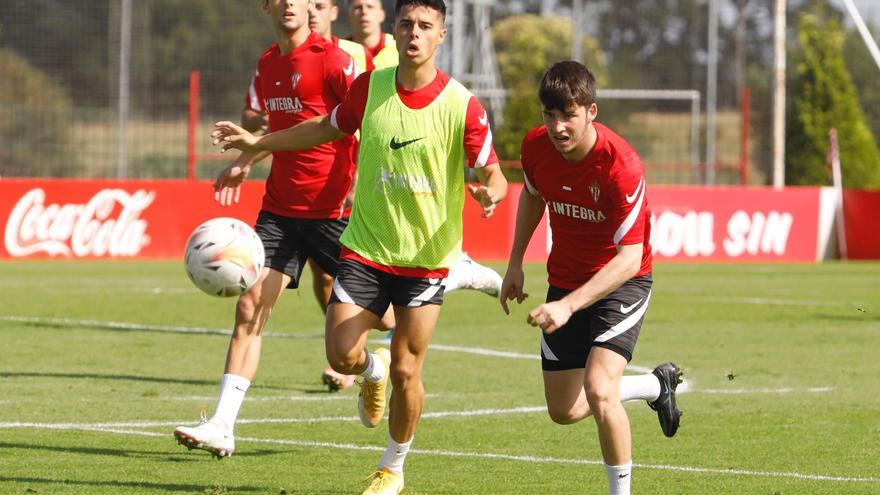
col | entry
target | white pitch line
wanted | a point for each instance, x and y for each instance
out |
(781, 302)
(525, 458)
(784, 390)
(150, 424)
(121, 325)
(291, 398)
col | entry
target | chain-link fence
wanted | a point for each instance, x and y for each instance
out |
(71, 88)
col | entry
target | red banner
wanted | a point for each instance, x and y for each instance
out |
(860, 210)
(152, 219)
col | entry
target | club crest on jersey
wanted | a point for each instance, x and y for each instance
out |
(294, 79)
(594, 191)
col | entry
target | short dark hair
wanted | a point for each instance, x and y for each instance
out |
(438, 5)
(566, 83)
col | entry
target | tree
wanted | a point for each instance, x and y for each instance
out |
(824, 97)
(36, 129)
(527, 45)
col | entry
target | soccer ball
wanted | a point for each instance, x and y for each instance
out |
(224, 257)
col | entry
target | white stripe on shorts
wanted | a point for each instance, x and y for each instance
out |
(548, 353)
(626, 324)
(425, 296)
(340, 293)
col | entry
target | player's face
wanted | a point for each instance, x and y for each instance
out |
(570, 130)
(321, 16)
(365, 16)
(418, 32)
(288, 15)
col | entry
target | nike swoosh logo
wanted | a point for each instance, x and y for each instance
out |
(623, 475)
(350, 69)
(627, 309)
(484, 119)
(630, 199)
(395, 145)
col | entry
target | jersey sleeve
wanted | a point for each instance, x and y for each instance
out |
(478, 136)
(252, 99)
(627, 194)
(526, 160)
(340, 71)
(347, 116)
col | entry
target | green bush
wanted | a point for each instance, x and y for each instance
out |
(824, 97)
(36, 130)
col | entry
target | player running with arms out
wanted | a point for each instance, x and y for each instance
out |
(593, 184)
(418, 126)
(304, 207)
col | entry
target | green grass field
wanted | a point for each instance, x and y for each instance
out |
(101, 360)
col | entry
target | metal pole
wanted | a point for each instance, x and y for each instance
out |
(577, 32)
(863, 30)
(124, 95)
(458, 7)
(779, 94)
(695, 135)
(711, 91)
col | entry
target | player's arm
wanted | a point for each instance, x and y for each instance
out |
(528, 213)
(482, 158)
(305, 135)
(227, 186)
(492, 188)
(254, 120)
(621, 268)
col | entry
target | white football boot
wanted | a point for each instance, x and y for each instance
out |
(209, 436)
(468, 274)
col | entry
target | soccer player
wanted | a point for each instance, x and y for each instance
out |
(365, 17)
(593, 184)
(304, 208)
(417, 126)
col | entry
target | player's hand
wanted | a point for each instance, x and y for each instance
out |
(230, 135)
(512, 287)
(485, 197)
(227, 187)
(550, 316)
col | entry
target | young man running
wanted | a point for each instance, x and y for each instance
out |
(593, 184)
(417, 127)
(304, 209)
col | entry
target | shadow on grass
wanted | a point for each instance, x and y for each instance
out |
(172, 487)
(136, 378)
(171, 455)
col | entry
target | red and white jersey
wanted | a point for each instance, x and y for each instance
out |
(478, 145)
(594, 205)
(310, 81)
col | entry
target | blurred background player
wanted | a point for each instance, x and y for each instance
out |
(592, 183)
(365, 17)
(418, 127)
(304, 209)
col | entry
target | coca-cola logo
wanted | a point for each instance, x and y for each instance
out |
(108, 224)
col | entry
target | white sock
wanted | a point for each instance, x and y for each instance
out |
(619, 478)
(232, 391)
(394, 456)
(640, 387)
(375, 370)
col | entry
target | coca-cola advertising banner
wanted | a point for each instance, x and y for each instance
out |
(109, 219)
(73, 219)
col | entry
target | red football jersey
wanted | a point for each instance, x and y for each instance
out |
(595, 204)
(310, 81)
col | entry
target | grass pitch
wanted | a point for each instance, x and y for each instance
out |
(102, 360)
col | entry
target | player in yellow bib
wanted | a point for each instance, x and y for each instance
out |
(365, 18)
(418, 126)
